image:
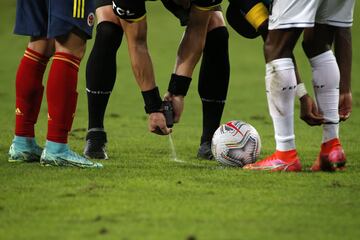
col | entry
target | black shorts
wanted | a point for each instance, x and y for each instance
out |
(101, 3)
(131, 10)
(134, 10)
(53, 18)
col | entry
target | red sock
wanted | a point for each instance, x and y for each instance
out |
(61, 96)
(29, 92)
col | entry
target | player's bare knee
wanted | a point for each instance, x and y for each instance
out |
(309, 44)
(314, 48)
(42, 45)
(273, 46)
(80, 52)
(306, 45)
(73, 43)
(106, 14)
(270, 51)
(317, 40)
(280, 43)
(216, 20)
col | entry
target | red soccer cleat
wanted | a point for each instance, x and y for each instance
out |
(331, 157)
(287, 161)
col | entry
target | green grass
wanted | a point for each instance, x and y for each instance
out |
(141, 194)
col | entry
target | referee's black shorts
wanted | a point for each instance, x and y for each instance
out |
(101, 3)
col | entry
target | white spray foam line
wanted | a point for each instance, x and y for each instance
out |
(172, 148)
(174, 156)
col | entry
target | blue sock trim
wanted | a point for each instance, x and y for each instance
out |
(19, 140)
(54, 147)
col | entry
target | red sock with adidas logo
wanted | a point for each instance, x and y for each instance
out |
(29, 91)
(61, 96)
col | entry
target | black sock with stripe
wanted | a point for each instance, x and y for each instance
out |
(101, 71)
(214, 80)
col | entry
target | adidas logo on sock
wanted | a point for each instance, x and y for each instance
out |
(18, 112)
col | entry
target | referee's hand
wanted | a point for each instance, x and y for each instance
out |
(157, 124)
(177, 102)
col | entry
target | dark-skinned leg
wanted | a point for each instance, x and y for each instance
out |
(340, 38)
(326, 78)
(280, 89)
(343, 54)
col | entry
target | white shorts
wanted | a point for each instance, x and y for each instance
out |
(304, 13)
(337, 13)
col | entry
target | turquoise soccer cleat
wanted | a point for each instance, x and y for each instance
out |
(57, 154)
(24, 149)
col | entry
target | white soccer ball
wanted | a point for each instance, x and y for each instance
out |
(236, 143)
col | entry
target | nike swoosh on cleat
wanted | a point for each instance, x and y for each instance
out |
(272, 167)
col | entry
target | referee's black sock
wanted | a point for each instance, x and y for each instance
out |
(214, 80)
(101, 71)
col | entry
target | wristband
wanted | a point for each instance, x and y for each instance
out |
(179, 85)
(300, 90)
(152, 100)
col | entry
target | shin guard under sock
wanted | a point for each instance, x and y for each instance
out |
(61, 96)
(280, 89)
(214, 80)
(29, 92)
(101, 71)
(326, 78)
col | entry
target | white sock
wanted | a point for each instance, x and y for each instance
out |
(280, 82)
(326, 78)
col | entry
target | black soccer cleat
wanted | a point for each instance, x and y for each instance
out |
(205, 151)
(95, 147)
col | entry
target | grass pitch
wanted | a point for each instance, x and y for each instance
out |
(142, 194)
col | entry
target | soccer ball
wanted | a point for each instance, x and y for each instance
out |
(236, 143)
